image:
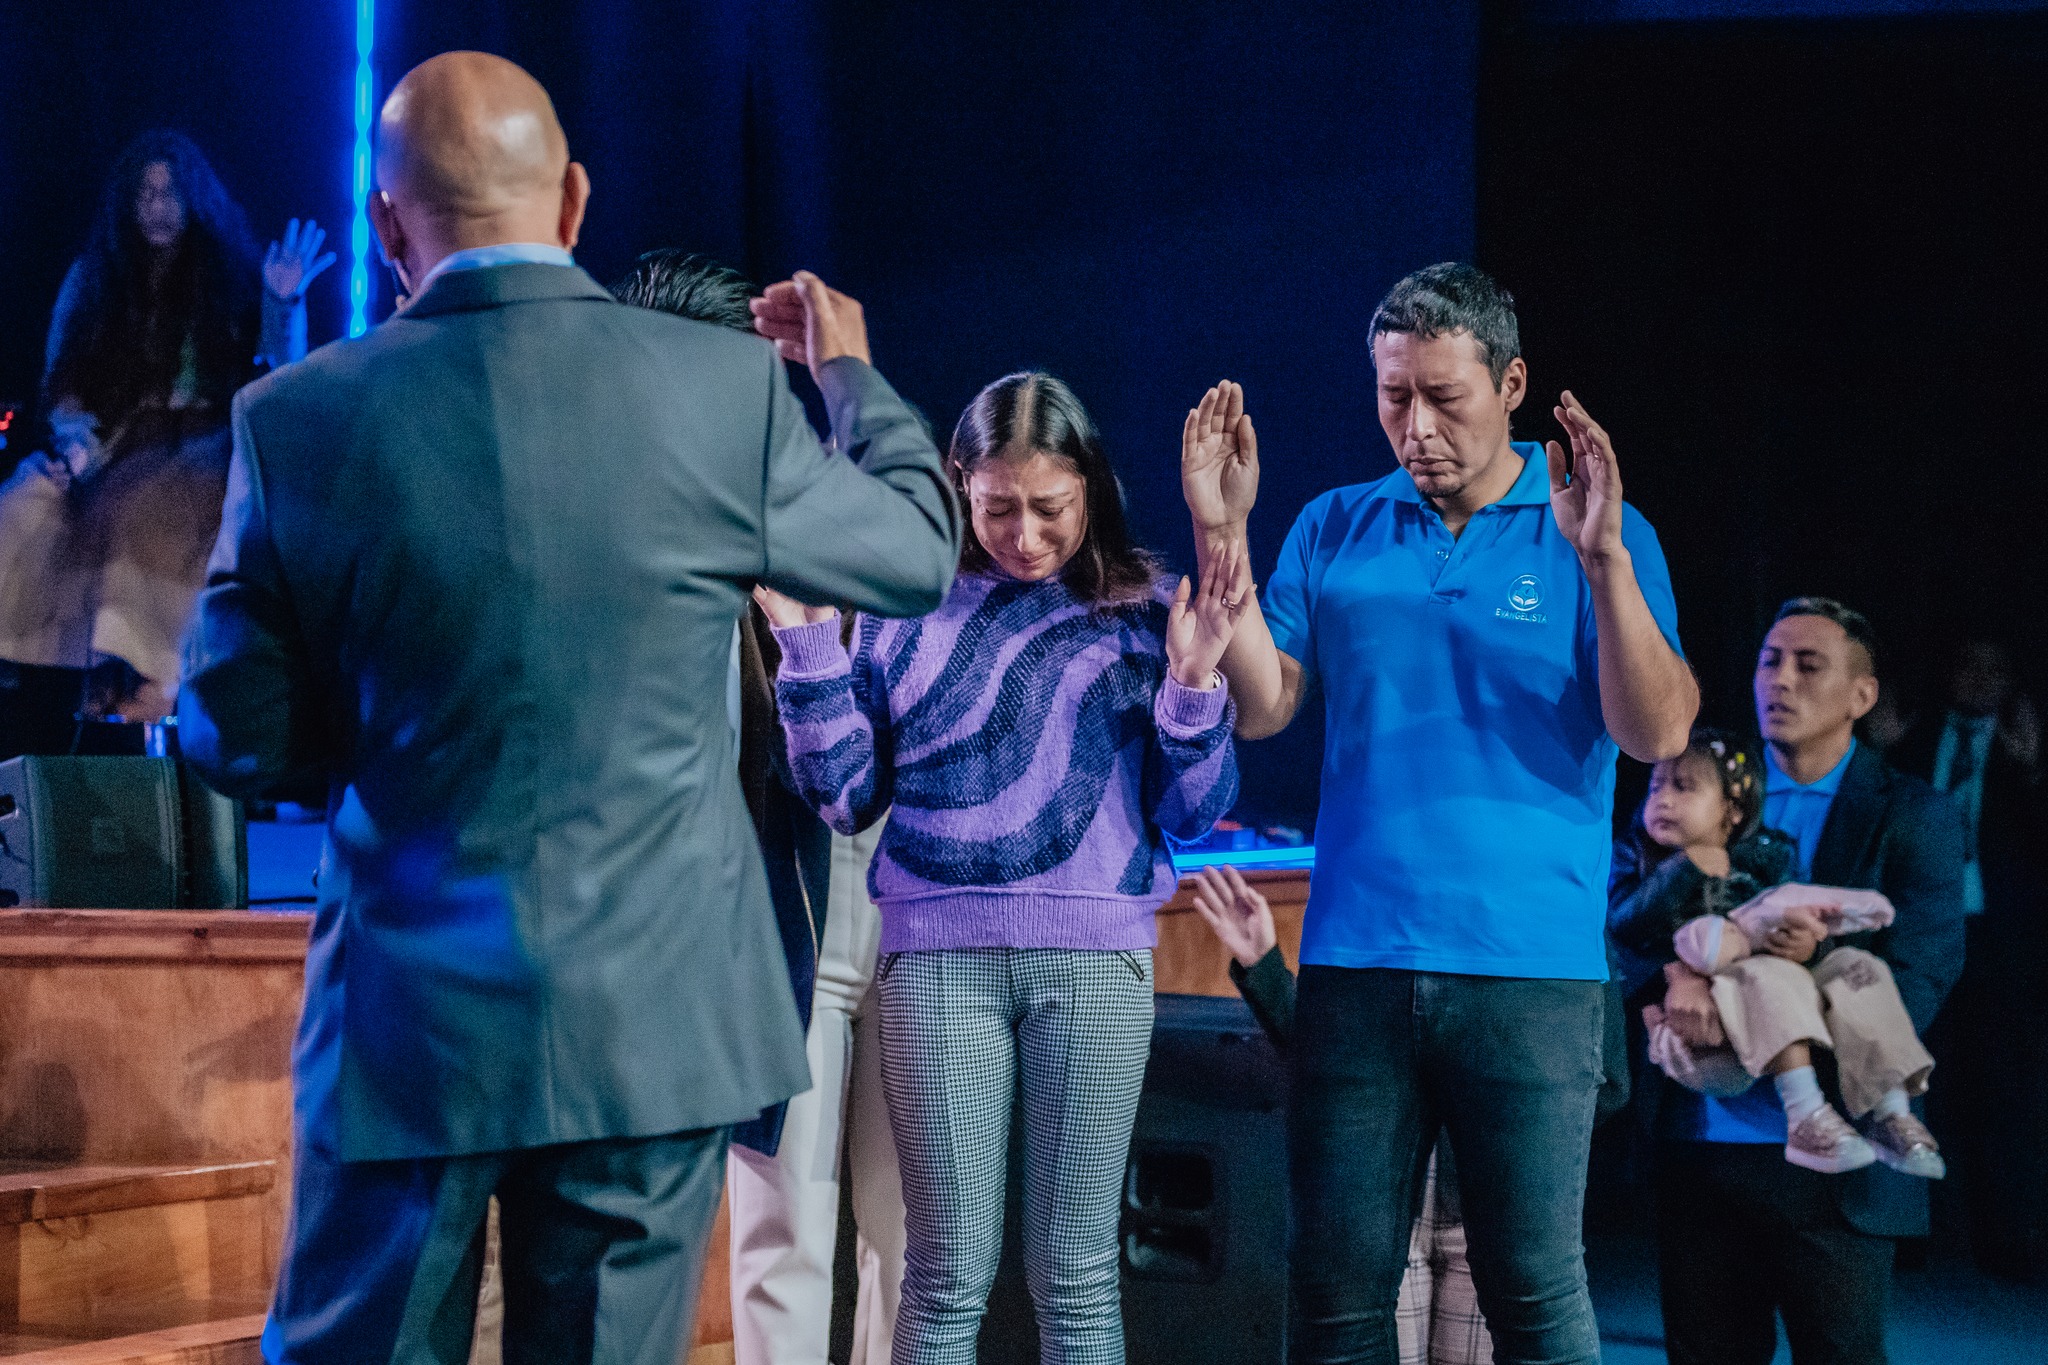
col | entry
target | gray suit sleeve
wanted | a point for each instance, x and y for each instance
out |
(878, 531)
(245, 697)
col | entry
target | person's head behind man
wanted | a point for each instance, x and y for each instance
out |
(672, 280)
(1981, 677)
(470, 154)
(1448, 352)
(1816, 676)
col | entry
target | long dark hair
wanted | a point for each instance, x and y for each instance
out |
(120, 344)
(1031, 412)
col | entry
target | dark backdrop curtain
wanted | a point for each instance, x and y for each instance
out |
(1142, 198)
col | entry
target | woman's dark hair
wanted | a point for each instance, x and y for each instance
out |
(1031, 412)
(120, 344)
(672, 280)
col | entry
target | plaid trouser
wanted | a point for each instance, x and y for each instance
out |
(1437, 1316)
(960, 1028)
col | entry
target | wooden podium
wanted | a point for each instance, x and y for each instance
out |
(145, 1125)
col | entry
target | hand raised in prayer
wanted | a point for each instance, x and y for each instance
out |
(1585, 491)
(291, 265)
(1219, 459)
(1201, 621)
(1239, 915)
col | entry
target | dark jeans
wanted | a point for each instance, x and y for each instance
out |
(1508, 1069)
(601, 1245)
(1744, 1235)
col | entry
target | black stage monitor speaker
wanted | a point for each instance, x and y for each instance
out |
(1204, 1224)
(118, 834)
(1205, 1195)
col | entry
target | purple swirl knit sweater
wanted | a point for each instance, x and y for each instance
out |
(1032, 753)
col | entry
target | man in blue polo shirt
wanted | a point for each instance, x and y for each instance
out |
(1489, 626)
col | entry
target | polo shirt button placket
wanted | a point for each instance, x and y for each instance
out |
(1445, 553)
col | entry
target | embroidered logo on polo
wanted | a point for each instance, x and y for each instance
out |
(1525, 595)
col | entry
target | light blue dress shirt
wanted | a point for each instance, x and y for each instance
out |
(504, 253)
(1801, 809)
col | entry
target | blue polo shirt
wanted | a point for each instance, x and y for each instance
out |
(1468, 777)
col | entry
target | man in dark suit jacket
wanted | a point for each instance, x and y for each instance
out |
(482, 567)
(1982, 745)
(1744, 1235)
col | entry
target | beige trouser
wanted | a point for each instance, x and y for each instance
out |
(1848, 1003)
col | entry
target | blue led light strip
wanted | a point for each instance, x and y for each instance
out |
(1305, 857)
(359, 231)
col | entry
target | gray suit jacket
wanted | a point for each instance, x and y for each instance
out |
(482, 568)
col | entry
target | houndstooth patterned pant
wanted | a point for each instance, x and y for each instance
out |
(958, 1027)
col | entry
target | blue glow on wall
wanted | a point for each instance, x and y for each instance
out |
(359, 231)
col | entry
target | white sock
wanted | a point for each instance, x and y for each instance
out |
(1894, 1102)
(1799, 1091)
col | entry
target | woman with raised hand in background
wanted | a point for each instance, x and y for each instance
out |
(165, 314)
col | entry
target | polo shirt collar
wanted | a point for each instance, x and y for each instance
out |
(1776, 779)
(1531, 487)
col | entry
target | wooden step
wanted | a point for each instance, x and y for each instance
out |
(35, 1191)
(89, 1253)
(229, 1341)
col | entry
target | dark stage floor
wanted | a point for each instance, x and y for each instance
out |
(1946, 1314)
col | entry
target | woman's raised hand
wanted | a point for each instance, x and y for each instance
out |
(1201, 621)
(291, 265)
(1236, 912)
(787, 611)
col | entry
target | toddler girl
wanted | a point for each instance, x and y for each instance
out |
(1753, 982)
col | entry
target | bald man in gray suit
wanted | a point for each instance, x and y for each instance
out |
(480, 569)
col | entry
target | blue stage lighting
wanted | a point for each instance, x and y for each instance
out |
(359, 231)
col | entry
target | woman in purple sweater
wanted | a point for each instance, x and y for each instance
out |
(1033, 740)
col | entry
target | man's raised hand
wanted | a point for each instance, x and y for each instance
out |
(810, 322)
(1588, 506)
(1219, 460)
